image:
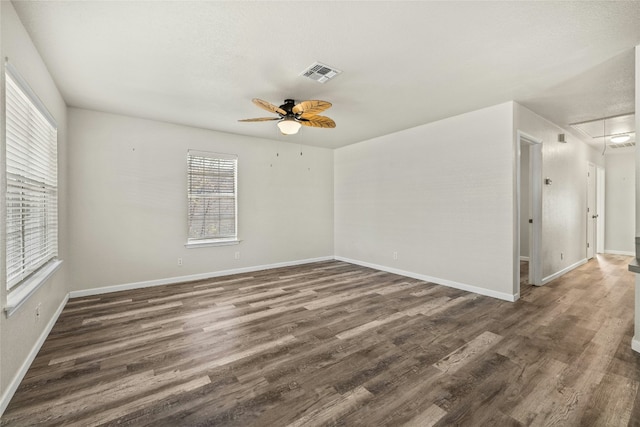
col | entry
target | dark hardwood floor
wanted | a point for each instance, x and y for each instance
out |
(337, 344)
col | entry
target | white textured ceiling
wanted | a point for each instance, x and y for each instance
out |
(404, 63)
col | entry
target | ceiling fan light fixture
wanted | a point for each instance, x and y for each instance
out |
(293, 116)
(620, 138)
(289, 126)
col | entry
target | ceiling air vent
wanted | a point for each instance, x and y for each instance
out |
(320, 72)
(621, 144)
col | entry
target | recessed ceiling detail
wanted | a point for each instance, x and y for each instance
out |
(608, 128)
(320, 72)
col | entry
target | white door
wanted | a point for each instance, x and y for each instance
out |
(600, 210)
(592, 214)
(535, 209)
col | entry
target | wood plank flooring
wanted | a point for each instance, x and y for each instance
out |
(336, 344)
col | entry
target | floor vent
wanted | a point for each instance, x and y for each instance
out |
(320, 72)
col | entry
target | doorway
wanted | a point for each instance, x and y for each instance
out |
(595, 207)
(529, 210)
(592, 215)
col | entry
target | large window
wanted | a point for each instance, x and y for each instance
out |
(32, 183)
(212, 193)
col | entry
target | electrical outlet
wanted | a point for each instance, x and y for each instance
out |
(395, 255)
(237, 255)
(561, 255)
(179, 261)
(38, 307)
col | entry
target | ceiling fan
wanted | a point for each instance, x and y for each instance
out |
(292, 116)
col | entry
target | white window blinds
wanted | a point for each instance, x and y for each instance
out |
(212, 193)
(32, 182)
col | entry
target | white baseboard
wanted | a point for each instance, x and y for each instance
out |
(17, 379)
(203, 276)
(635, 344)
(563, 271)
(444, 282)
(191, 278)
(614, 252)
(524, 258)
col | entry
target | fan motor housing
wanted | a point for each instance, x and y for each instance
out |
(288, 106)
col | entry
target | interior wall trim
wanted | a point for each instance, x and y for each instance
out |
(444, 282)
(635, 344)
(191, 277)
(203, 276)
(563, 271)
(17, 379)
(614, 252)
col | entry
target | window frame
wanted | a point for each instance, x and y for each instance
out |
(202, 241)
(33, 274)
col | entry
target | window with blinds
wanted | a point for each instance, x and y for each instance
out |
(32, 182)
(212, 194)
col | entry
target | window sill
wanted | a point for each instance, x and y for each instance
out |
(21, 293)
(206, 243)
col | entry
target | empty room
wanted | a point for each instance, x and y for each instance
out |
(330, 213)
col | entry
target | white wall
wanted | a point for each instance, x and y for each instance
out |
(440, 195)
(564, 201)
(620, 203)
(129, 209)
(19, 333)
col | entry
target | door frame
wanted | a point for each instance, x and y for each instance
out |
(535, 194)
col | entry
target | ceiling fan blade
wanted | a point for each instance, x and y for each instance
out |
(317, 121)
(260, 119)
(311, 107)
(268, 106)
